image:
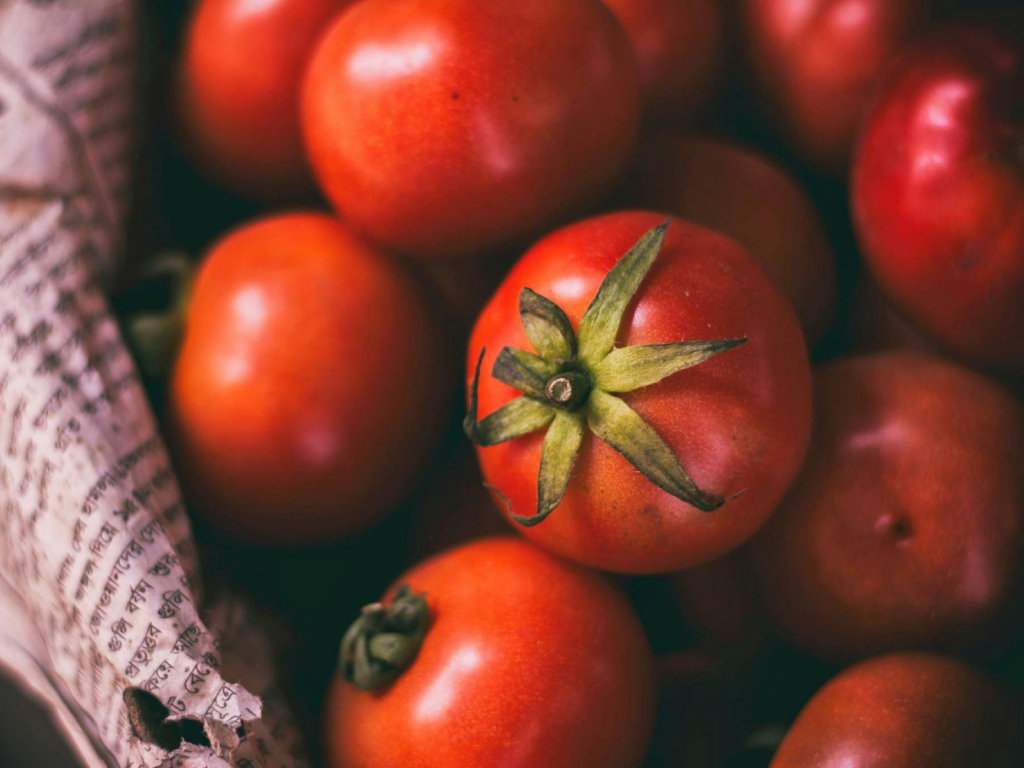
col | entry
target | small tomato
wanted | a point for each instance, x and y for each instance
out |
(310, 385)
(493, 654)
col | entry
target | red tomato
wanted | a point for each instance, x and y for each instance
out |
(911, 710)
(310, 385)
(528, 662)
(938, 192)
(816, 62)
(726, 188)
(238, 90)
(906, 526)
(679, 47)
(442, 128)
(738, 423)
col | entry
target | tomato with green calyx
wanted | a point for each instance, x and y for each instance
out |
(493, 654)
(691, 372)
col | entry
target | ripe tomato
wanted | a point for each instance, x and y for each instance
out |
(442, 128)
(907, 710)
(527, 662)
(679, 47)
(736, 425)
(310, 384)
(816, 63)
(938, 191)
(238, 90)
(906, 525)
(730, 190)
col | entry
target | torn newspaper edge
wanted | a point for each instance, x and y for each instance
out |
(99, 583)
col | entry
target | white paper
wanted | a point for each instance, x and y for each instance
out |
(99, 582)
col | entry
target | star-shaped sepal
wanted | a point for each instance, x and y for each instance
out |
(570, 382)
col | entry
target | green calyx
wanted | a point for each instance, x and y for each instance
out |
(384, 641)
(570, 383)
(153, 311)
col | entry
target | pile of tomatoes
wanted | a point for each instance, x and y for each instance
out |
(663, 356)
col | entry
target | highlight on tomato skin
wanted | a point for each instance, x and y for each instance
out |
(736, 425)
(938, 188)
(311, 386)
(905, 526)
(527, 661)
(739, 193)
(447, 130)
(906, 711)
(237, 91)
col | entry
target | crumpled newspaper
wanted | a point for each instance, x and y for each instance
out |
(100, 598)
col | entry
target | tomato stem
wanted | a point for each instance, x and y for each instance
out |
(568, 390)
(384, 641)
(570, 381)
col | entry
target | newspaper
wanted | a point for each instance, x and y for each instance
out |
(102, 607)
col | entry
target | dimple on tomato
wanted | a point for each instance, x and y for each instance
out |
(701, 456)
(238, 90)
(444, 128)
(906, 524)
(493, 654)
(310, 386)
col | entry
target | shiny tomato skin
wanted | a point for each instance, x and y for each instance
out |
(938, 191)
(739, 422)
(906, 526)
(444, 128)
(905, 710)
(306, 356)
(680, 52)
(816, 63)
(529, 662)
(238, 90)
(740, 194)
